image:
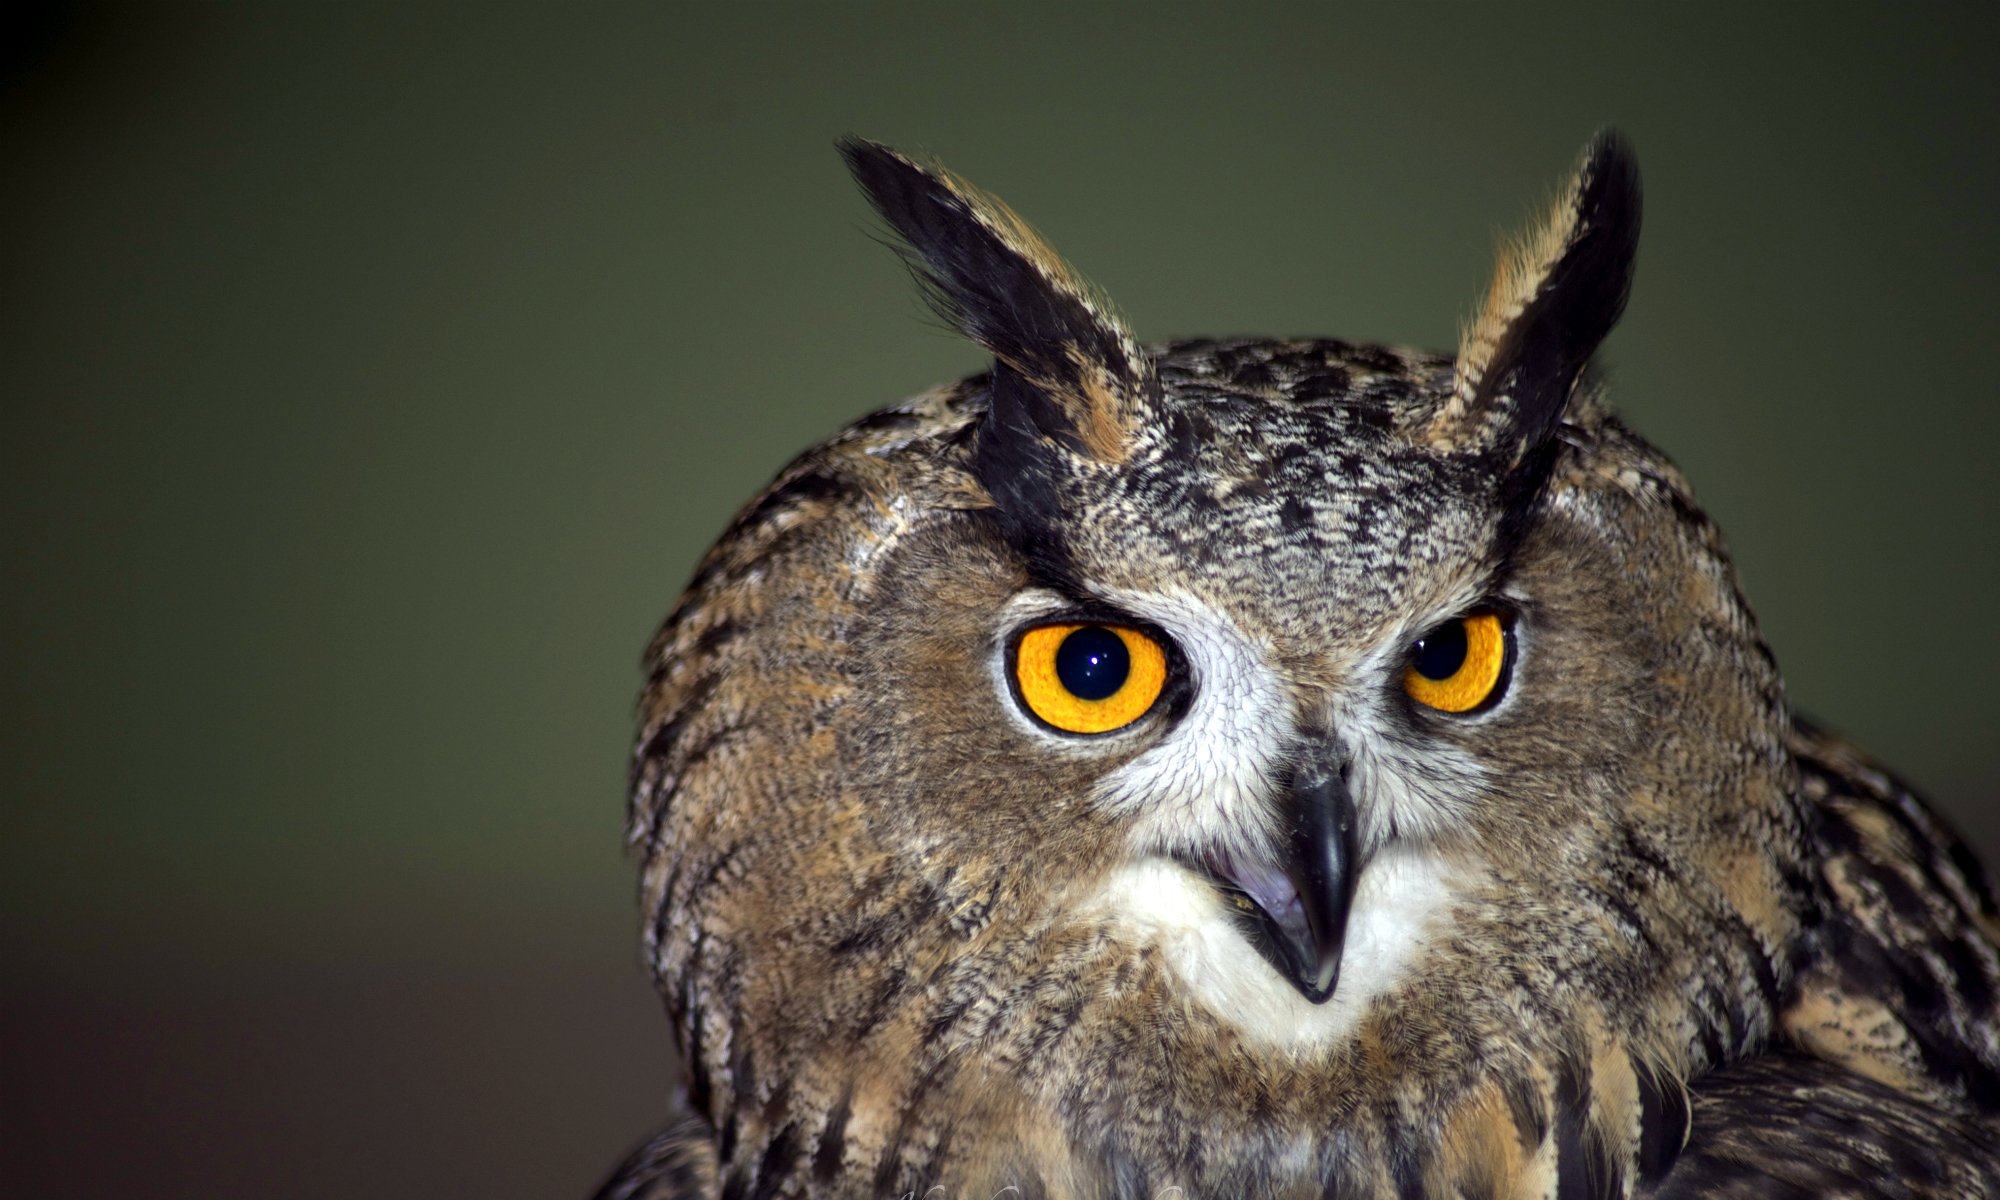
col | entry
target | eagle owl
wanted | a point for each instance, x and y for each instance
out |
(1252, 767)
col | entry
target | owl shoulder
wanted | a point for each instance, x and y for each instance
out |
(1790, 1124)
(1899, 980)
(678, 1163)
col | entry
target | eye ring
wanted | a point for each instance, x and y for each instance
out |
(1462, 665)
(1087, 677)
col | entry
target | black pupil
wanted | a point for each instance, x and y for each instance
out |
(1093, 663)
(1441, 652)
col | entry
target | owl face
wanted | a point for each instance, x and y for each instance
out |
(1370, 706)
(1303, 709)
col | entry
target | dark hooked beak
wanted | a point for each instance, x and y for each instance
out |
(1295, 909)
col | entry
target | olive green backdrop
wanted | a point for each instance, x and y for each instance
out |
(373, 378)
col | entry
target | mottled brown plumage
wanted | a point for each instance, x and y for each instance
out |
(1626, 928)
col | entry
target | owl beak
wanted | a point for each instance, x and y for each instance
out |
(1320, 860)
(1294, 910)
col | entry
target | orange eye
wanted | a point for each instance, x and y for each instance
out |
(1457, 667)
(1089, 678)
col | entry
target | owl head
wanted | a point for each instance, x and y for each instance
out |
(1137, 761)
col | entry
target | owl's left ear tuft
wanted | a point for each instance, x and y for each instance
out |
(1557, 292)
(1067, 371)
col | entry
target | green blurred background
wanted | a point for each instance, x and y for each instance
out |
(373, 378)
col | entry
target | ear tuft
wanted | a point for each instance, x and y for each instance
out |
(1064, 359)
(1557, 292)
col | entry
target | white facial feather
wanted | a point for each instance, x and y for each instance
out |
(1398, 907)
(1209, 780)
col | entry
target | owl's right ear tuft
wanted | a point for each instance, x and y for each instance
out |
(1068, 374)
(1557, 292)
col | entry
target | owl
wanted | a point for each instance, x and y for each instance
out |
(1278, 768)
